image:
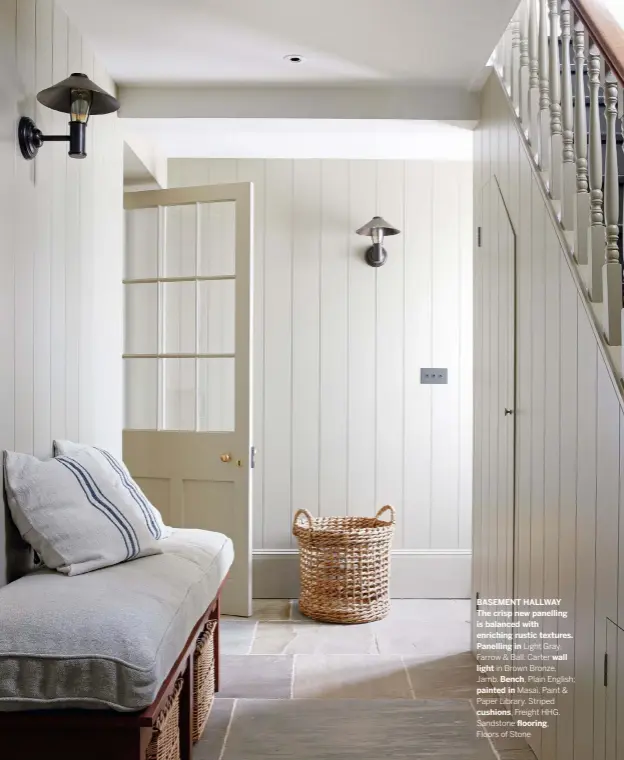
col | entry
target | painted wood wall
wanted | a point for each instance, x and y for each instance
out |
(569, 480)
(61, 249)
(342, 424)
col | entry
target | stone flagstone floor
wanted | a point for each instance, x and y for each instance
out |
(420, 652)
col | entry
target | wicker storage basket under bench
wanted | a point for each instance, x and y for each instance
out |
(203, 679)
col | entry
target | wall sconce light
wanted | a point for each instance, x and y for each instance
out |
(377, 229)
(80, 98)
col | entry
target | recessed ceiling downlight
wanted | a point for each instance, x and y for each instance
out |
(294, 58)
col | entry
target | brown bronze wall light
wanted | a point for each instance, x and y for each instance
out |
(80, 98)
(377, 229)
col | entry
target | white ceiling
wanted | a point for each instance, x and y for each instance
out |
(244, 41)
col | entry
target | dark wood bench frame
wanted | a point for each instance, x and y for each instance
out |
(106, 734)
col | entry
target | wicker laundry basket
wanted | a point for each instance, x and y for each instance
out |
(345, 566)
(165, 742)
(203, 679)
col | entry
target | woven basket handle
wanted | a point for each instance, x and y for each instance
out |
(387, 508)
(305, 513)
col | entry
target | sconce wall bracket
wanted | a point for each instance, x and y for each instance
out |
(376, 256)
(31, 138)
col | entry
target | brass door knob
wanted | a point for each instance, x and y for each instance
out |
(226, 457)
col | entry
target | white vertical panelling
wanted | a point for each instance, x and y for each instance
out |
(567, 502)
(25, 242)
(48, 386)
(41, 269)
(538, 402)
(73, 266)
(607, 533)
(552, 444)
(568, 445)
(305, 335)
(418, 352)
(492, 384)
(86, 411)
(445, 353)
(8, 158)
(58, 239)
(278, 354)
(341, 421)
(585, 539)
(391, 379)
(334, 367)
(362, 342)
(466, 387)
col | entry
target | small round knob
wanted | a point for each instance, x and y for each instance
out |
(226, 457)
(508, 411)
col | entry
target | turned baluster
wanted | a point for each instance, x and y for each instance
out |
(612, 269)
(533, 76)
(596, 239)
(567, 114)
(515, 62)
(544, 87)
(556, 161)
(524, 67)
(581, 224)
(508, 75)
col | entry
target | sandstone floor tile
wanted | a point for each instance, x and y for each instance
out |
(427, 611)
(352, 729)
(250, 676)
(441, 677)
(211, 743)
(236, 635)
(350, 677)
(301, 638)
(413, 637)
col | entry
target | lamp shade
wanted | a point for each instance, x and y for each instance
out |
(378, 224)
(59, 96)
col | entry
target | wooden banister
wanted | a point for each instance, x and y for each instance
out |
(604, 30)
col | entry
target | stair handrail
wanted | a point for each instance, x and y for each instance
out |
(605, 30)
(580, 163)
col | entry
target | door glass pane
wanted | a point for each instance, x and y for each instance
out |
(141, 244)
(180, 254)
(141, 318)
(217, 238)
(179, 317)
(216, 316)
(141, 394)
(215, 395)
(179, 394)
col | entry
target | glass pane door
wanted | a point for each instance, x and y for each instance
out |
(180, 320)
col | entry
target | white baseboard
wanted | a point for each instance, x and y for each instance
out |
(417, 574)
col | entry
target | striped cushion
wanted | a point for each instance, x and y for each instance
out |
(72, 514)
(119, 475)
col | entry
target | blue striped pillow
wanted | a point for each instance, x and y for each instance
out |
(72, 514)
(122, 479)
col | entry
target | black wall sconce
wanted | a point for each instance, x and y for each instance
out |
(80, 98)
(377, 229)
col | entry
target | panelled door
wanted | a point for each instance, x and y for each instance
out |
(187, 362)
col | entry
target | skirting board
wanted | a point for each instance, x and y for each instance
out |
(419, 574)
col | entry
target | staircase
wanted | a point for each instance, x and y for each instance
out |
(575, 130)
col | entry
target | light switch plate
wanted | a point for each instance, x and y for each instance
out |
(434, 376)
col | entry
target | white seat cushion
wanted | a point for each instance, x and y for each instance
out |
(107, 639)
